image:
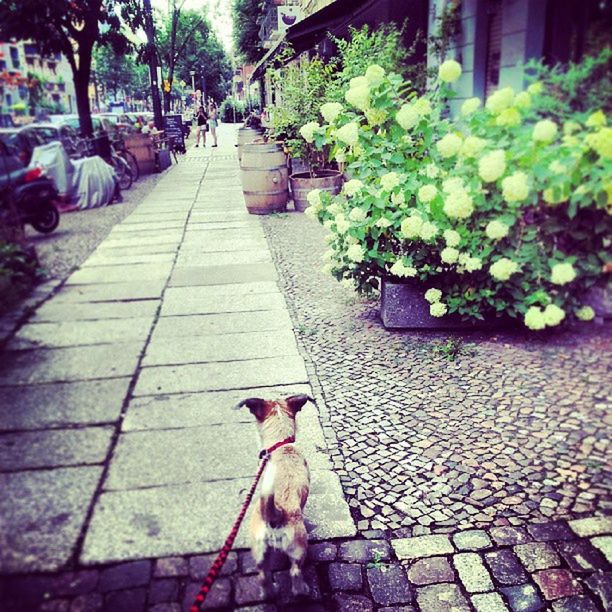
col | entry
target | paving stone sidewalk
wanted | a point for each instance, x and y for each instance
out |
(122, 464)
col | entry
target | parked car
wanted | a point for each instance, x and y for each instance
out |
(68, 136)
(27, 195)
(21, 142)
(99, 123)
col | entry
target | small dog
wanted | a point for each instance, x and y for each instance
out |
(277, 521)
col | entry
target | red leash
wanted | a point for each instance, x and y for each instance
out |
(217, 566)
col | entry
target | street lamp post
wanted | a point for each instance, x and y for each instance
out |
(152, 59)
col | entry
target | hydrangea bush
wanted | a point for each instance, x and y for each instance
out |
(497, 210)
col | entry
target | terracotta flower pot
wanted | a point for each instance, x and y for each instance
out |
(301, 184)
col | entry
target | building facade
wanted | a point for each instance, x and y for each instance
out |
(21, 67)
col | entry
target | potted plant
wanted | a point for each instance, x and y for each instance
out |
(302, 85)
(498, 212)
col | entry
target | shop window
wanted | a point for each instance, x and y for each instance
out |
(494, 40)
(15, 57)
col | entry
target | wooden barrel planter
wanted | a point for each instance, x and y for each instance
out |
(246, 135)
(265, 178)
(302, 183)
(143, 149)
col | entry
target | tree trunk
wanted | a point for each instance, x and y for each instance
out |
(81, 90)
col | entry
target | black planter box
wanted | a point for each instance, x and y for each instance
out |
(403, 306)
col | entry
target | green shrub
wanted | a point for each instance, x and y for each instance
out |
(500, 210)
(232, 110)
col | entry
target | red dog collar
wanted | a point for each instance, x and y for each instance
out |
(268, 451)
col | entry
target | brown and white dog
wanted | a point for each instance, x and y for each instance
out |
(277, 521)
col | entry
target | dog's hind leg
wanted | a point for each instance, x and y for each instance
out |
(296, 552)
(258, 551)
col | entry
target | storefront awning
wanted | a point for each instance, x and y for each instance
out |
(337, 18)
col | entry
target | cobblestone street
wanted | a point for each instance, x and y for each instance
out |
(468, 474)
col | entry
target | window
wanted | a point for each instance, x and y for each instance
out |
(15, 57)
(30, 49)
(2, 65)
(494, 39)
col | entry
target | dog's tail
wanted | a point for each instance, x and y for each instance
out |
(272, 514)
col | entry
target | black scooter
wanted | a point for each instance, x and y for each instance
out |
(34, 199)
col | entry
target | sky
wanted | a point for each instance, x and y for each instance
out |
(219, 12)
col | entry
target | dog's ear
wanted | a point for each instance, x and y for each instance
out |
(256, 405)
(295, 402)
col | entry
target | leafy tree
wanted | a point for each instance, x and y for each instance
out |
(71, 28)
(186, 42)
(246, 15)
(115, 71)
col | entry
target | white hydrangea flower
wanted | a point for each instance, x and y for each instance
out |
(562, 273)
(496, 230)
(492, 166)
(349, 134)
(340, 156)
(359, 97)
(352, 187)
(449, 145)
(358, 215)
(515, 188)
(534, 319)
(314, 197)
(355, 253)
(449, 255)
(375, 75)
(407, 116)
(342, 224)
(500, 100)
(544, 131)
(585, 313)
(308, 129)
(359, 81)
(402, 271)
(472, 264)
(553, 315)
(330, 111)
(433, 295)
(389, 181)
(473, 146)
(438, 309)
(427, 193)
(422, 106)
(411, 226)
(383, 223)
(522, 100)
(398, 199)
(428, 231)
(458, 205)
(503, 269)
(470, 106)
(449, 71)
(432, 171)
(452, 237)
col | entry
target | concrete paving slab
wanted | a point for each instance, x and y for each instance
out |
(199, 231)
(196, 225)
(224, 323)
(120, 273)
(54, 448)
(70, 364)
(213, 452)
(173, 238)
(107, 249)
(221, 275)
(220, 347)
(129, 226)
(222, 303)
(238, 290)
(58, 310)
(107, 259)
(193, 519)
(195, 409)
(220, 244)
(203, 216)
(60, 404)
(220, 376)
(223, 259)
(43, 512)
(110, 292)
(75, 333)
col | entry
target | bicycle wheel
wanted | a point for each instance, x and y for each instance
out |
(130, 158)
(123, 171)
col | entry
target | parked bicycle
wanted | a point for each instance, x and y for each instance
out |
(101, 146)
(119, 148)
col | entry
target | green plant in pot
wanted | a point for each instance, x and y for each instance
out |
(499, 211)
(302, 86)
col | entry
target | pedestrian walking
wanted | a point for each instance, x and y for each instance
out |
(202, 123)
(213, 113)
